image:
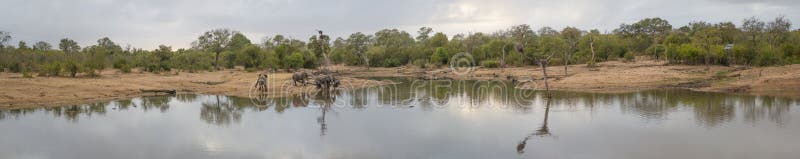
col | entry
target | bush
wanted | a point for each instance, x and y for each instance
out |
(123, 65)
(419, 63)
(490, 63)
(629, 57)
(26, 74)
(295, 60)
(72, 68)
(50, 69)
(15, 67)
(392, 62)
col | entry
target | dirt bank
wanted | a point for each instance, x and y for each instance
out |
(610, 76)
(52, 91)
(615, 76)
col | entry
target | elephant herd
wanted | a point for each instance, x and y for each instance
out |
(321, 81)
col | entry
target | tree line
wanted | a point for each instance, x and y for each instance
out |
(753, 43)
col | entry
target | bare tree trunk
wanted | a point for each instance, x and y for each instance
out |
(503, 60)
(666, 53)
(216, 61)
(543, 65)
(566, 63)
(366, 61)
(708, 56)
(591, 48)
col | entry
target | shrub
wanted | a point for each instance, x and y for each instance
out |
(490, 63)
(295, 60)
(26, 74)
(123, 65)
(72, 68)
(50, 69)
(15, 67)
(629, 57)
(419, 63)
(392, 62)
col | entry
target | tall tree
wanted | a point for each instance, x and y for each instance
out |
(4, 38)
(68, 46)
(320, 45)
(215, 41)
(424, 34)
(648, 29)
(521, 34)
(706, 39)
(778, 30)
(358, 43)
(239, 41)
(22, 46)
(571, 36)
(42, 46)
(753, 27)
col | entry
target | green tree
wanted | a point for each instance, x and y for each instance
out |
(42, 46)
(4, 38)
(707, 39)
(68, 46)
(358, 43)
(215, 41)
(424, 34)
(753, 27)
(571, 35)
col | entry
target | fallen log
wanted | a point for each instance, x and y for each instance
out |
(167, 91)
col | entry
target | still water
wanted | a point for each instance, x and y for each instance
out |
(463, 119)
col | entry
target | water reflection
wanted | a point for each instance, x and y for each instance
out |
(709, 109)
(541, 132)
(466, 119)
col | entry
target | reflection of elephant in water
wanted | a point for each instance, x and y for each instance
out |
(299, 77)
(326, 82)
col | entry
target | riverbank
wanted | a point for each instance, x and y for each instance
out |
(608, 77)
(620, 77)
(55, 91)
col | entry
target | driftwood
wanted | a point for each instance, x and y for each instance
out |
(210, 82)
(167, 91)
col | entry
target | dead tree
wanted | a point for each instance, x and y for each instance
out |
(591, 48)
(543, 64)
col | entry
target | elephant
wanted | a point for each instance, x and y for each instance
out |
(261, 83)
(326, 82)
(299, 77)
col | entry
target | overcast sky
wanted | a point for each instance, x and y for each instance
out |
(148, 23)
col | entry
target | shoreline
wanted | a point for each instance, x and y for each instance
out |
(608, 77)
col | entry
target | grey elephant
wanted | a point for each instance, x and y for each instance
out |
(326, 82)
(299, 77)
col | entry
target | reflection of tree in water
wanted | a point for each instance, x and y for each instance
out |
(647, 105)
(156, 102)
(543, 130)
(124, 104)
(186, 98)
(774, 108)
(712, 110)
(16, 113)
(220, 111)
(325, 100)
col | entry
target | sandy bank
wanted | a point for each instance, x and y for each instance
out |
(610, 76)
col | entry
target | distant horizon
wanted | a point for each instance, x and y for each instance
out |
(147, 24)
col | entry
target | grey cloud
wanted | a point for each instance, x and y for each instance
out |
(148, 23)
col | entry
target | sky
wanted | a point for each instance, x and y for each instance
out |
(149, 23)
